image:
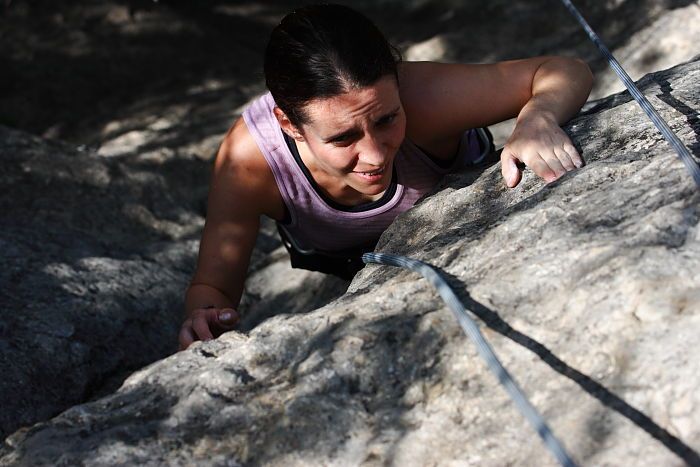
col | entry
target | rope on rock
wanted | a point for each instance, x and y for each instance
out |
(484, 349)
(467, 323)
(651, 112)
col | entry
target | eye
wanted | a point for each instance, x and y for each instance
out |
(341, 141)
(387, 119)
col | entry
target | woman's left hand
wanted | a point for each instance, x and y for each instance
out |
(538, 142)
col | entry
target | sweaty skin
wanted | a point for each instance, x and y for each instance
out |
(349, 146)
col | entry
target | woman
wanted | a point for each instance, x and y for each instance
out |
(348, 138)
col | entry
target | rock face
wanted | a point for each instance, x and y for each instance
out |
(104, 248)
(93, 243)
(588, 288)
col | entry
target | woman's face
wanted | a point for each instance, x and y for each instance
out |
(354, 137)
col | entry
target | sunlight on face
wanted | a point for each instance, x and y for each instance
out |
(353, 137)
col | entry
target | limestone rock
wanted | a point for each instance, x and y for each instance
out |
(588, 288)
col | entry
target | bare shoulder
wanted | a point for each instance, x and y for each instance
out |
(242, 177)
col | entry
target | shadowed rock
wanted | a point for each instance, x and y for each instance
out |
(588, 288)
(96, 256)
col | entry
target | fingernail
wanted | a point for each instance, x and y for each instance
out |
(226, 316)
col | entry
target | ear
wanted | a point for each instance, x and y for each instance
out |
(287, 126)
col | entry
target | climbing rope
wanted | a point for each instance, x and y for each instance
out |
(467, 323)
(651, 112)
(484, 349)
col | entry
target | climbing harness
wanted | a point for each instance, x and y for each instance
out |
(651, 112)
(484, 349)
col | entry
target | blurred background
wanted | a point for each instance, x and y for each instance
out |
(167, 77)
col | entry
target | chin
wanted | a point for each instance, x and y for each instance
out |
(373, 184)
(372, 187)
(373, 191)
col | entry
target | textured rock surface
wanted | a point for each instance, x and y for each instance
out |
(588, 288)
(95, 259)
(96, 254)
(95, 251)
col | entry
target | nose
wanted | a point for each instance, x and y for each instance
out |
(372, 151)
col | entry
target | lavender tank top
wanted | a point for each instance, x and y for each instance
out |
(317, 223)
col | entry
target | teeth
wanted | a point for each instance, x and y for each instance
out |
(376, 172)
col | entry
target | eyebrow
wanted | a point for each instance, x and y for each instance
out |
(342, 135)
(355, 131)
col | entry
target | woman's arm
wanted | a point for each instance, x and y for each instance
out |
(239, 194)
(442, 100)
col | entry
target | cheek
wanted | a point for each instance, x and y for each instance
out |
(331, 159)
(398, 132)
(399, 136)
(340, 159)
(394, 140)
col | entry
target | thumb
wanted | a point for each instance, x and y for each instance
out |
(228, 317)
(509, 168)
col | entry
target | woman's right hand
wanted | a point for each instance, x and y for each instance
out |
(206, 324)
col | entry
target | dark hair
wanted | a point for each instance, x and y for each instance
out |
(322, 51)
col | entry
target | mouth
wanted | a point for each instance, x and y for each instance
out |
(371, 175)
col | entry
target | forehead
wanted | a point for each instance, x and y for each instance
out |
(353, 106)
